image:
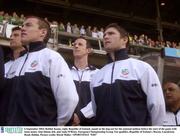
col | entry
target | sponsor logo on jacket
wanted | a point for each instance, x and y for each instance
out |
(33, 65)
(124, 72)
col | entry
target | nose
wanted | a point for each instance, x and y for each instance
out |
(23, 28)
(106, 36)
(167, 91)
(75, 45)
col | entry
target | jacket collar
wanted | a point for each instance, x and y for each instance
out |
(36, 46)
(11, 57)
(32, 47)
(89, 67)
(119, 55)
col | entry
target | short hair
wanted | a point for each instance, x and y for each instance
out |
(120, 29)
(88, 44)
(168, 82)
(43, 24)
(16, 28)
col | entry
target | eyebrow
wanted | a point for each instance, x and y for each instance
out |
(27, 23)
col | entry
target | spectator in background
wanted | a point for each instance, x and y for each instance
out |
(172, 98)
(43, 92)
(163, 44)
(14, 19)
(21, 19)
(157, 44)
(75, 29)
(153, 43)
(146, 40)
(135, 40)
(141, 40)
(88, 31)
(174, 44)
(82, 31)
(94, 32)
(1, 16)
(168, 44)
(127, 91)
(61, 27)
(82, 74)
(6, 18)
(68, 28)
(101, 33)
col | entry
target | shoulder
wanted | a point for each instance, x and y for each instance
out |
(103, 70)
(142, 65)
(51, 54)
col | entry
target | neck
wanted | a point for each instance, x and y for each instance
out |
(112, 56)
(16, 52)
(81, 63)
(120, 54)
(174, 107)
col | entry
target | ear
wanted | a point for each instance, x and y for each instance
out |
(125, 39)
(90, 50)
(44, 32)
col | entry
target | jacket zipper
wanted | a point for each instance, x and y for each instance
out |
(176, 120)
(112, 73)
(24, 61)
(110, 91)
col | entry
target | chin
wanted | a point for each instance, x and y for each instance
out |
(108, 49)
(24, 42)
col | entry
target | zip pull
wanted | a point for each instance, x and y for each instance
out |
(24, 61)
(112, 73)
(80, 76)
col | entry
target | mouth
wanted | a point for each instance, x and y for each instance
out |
(76, 50)
(11, 42)
(168, 97)
(107, 42)
(23, 34)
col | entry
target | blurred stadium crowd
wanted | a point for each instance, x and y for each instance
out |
(90, 31)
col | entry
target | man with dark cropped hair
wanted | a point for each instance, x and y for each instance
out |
(16, 51)
(82, 73)
(43, 92)
(126, 91)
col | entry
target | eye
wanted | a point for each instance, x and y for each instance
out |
(80, 44)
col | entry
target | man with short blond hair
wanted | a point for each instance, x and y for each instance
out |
(43, 92)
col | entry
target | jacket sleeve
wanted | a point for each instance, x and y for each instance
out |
(93, 103)
(1, 68)
(64, 90)
(155, 100)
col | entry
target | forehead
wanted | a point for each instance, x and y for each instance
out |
(80, 40)
(31, 20)
(111, 29)
(16, 32)
(170, 85)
